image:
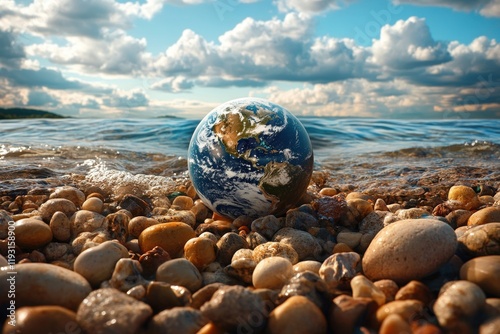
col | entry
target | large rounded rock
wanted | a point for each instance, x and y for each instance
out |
(43, 319)
(485, 272)
(480, 240)
(485, 216)
(170, 236)
(465, 196)
(44, 284)
(48, 208)
(409, 249)
(32, 233)
(96, 264)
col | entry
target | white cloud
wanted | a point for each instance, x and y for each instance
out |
(407, 45)
(485, 7)
(310, 6)
(127, 99)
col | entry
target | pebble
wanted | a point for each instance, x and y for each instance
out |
(266, 226)
(300, 220)
(341, 248)
(484, 216)
(348, 313)
(458, 303)
(235, 308)
(290, 317)
(43, 319)
(388, 287)
(117, 226)
(351, 239)
(138, 224)
(272, 273)
(48, 208)
(86, 240)
(465, 196)
(407, 309)
(328, 191)
(242, 266)
(96, 264)
(32, 233)
(161, 296)
(415, 290)
(111, 311)
(307, 284)
(458, 218)
(308, 265)
(303, 243)
(228, 245)
(359, 207)
(395, 324)
(273, 248)
(409, 249)
(135, 205)
(170, 236)
(185, 320)
(380, 205)
(180, 272)
(138, 292)
(152, 259)
(362, 287)
(53, 285)
(480, 240)
(183, 202)
(126, 275)
(86, 221)
(73, 194)
(412, 213)
(60, 226)
(184, 216)
(339, 269)
(200, 251)
(93, 204)
(485, 272)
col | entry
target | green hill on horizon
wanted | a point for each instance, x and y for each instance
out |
(17, 113)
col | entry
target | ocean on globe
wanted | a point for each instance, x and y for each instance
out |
(250, 157)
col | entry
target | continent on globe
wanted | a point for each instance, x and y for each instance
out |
(250, 157)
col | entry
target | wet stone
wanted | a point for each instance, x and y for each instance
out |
(73, 194)
(485, 272)
(480, 240)
(112, 311)
(339, 269)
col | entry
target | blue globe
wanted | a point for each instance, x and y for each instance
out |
(250, 157)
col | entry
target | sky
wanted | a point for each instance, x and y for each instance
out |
(419, 59)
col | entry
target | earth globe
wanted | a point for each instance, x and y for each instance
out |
(250, 157)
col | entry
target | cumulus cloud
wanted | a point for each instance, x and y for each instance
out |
(40, 98)
(485, 7)
(408, 45)
(127, 99)
(11, 52)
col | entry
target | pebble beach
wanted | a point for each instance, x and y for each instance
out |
(98, 239)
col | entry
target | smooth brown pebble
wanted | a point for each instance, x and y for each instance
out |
(53, 285)
(395, 324)
(200, 251)
(272, 273)
(32, 233)
(407, 309)
(464, 195)
(388, 287)
(309, 265)
(138, 224)
(96, 264)
(409, 249)
(42, 319)
(93, 204)
(290, 317)
(183, 202)
(48, 208)
(183, 320)
(415, 290)
(485, 272)
(180, 272)
(484, 216)
(170, 236)
(347, 313)
(60, 226)
(362, 287)
(479, 240)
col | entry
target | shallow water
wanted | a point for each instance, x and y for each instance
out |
(365, 153)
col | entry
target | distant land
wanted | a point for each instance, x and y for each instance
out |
(15, 113)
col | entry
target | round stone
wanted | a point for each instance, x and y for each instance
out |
(308, 265)
(485, 216)
(465, 196)
(272, 273)
(200, 251)
(60, 226)
(250, 157)
(32, 233)
(45, 284)
(43, 319)
(297, 315)
(484, 271)
(96, 264)
(409, 249)
(48, 208)
(170, 236)
(180, 272)
(93, 204)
